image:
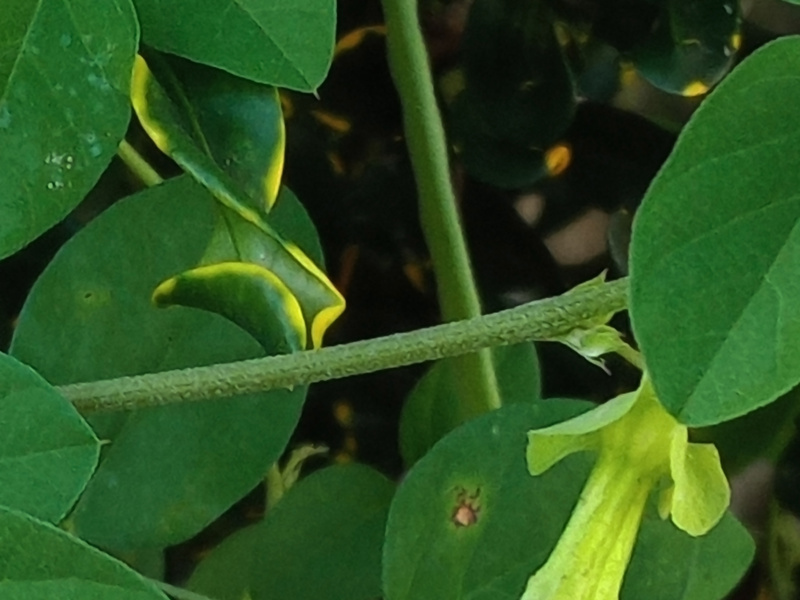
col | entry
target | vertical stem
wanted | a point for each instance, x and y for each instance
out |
(458, 295)
(138, 165)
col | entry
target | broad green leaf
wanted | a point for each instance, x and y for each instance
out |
(432, 410)
(322, 539)
(714, 268)
(47, 451)
(667, 564)
(170, 471)
(215, 121)
(242, 232)
(38, 560)
(65, 72)
(469, 522)
(691, 47)
(246, 293)
(225, 573)
(469, 519)
(68, 589)
(288, 44)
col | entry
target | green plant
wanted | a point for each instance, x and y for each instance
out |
(111, 397)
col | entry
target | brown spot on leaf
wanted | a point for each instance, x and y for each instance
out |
(468, 508)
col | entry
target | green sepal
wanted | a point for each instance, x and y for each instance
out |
(594, 337)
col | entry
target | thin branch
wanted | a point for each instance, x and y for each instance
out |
(540, 320)
(138, 165)
(458, 295)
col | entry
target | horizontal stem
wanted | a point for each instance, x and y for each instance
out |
(539, 320)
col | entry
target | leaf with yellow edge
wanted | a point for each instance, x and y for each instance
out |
(236, 240)
(691, 47)
(274, 317)
(236, 124)
(242, 233)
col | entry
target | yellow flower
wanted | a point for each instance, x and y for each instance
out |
(640, 446)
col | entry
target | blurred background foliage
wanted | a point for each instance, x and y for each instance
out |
(559, 113)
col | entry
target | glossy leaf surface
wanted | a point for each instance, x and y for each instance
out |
(691, 47)
(242, 234)
(288, 44)
(65, 71)
(470, 522)
(714, 287)
(431, 409)
(169, 471)
(214, 121)
(47, 560)
(324, 536)
(47, 451)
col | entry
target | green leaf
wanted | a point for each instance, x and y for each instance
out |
(38, 560)
(667, 564)
(490, 159)
(168, 471)
(216, 122)
(478, 472)
(432, 410)
(244, 292)
(515, 72)
(691, 47)
(761, 434)
(247, 294)
(47, 451)
(242, 232)
(715, 244)
(325, 534)
(225, 573)
(270, 41)
(68, 589)
(518, 96)
(470, 522)
(65, 71)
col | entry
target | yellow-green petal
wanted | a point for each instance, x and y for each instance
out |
(549, 445)
(700, 493)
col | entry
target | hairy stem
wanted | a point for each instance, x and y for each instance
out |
(458, 295)
(138, 165)
(540, 320)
